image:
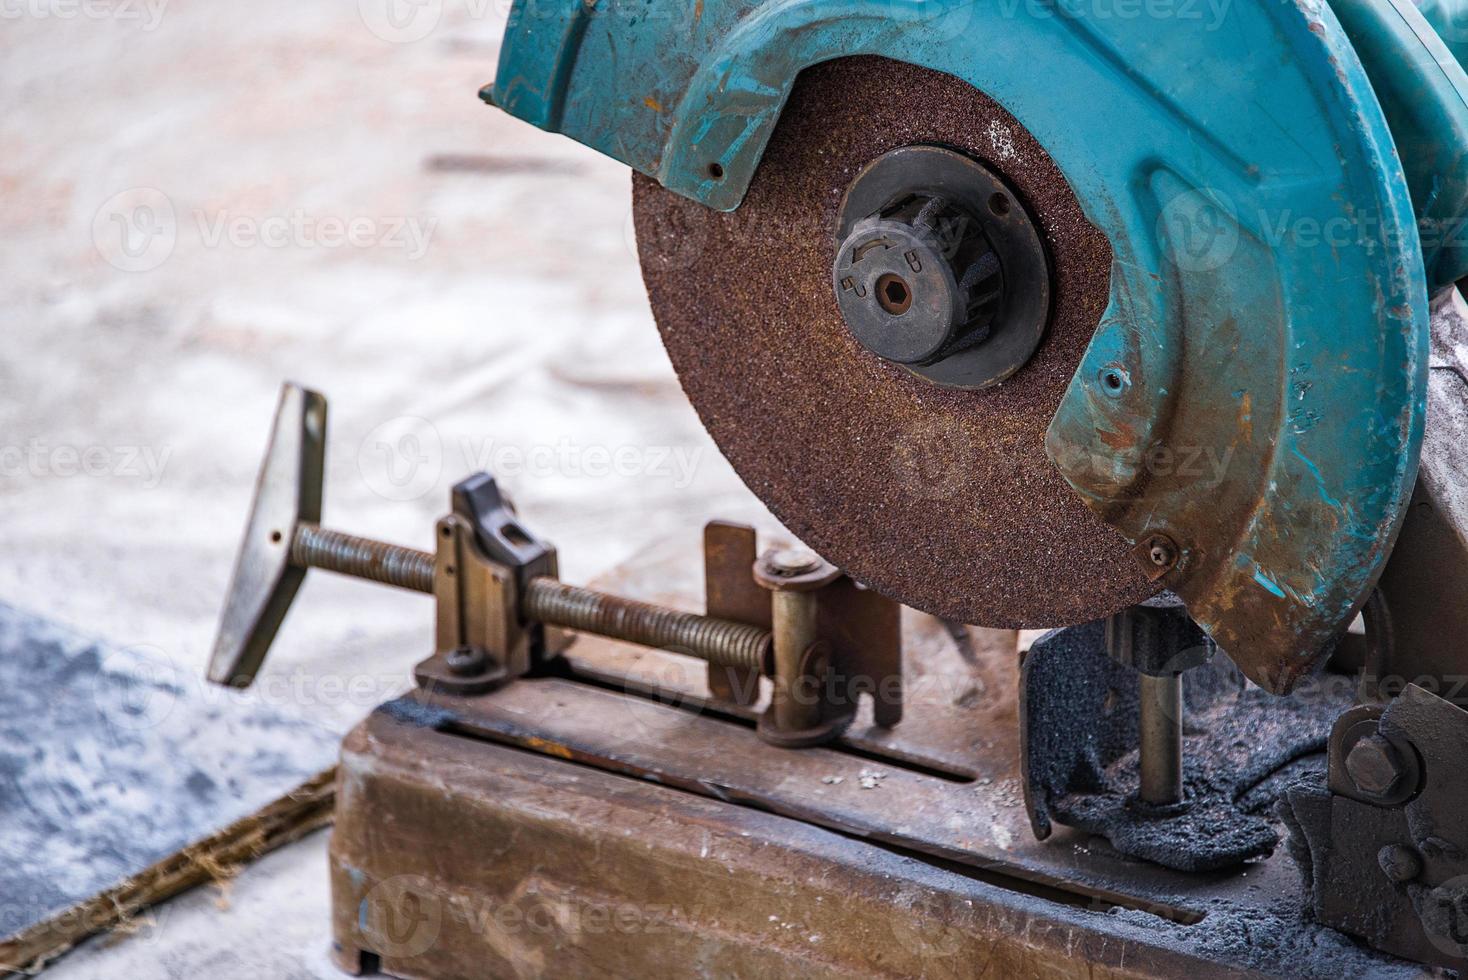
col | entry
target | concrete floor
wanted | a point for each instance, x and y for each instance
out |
(202, 199)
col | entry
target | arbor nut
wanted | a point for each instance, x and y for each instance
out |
(1374, 766)
(918, 281)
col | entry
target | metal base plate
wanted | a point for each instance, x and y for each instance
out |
(518, 828)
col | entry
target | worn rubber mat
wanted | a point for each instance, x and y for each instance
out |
(1242, 749)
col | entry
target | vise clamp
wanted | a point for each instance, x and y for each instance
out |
(503, 613)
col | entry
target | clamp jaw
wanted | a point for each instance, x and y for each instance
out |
(485, 557)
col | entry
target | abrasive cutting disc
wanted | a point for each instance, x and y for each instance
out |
(941, 498)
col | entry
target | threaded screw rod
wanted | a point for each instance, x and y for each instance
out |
(375, 561)
(718, 641)
(546, 600)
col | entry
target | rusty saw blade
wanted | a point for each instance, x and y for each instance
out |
(940, 498)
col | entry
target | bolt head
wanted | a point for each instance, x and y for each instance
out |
(1158, 554)
(1374, 765)
(1399, 862)
(794, 561)
(466, 661)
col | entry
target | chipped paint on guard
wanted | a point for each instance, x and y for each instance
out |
(1267, 582)
(1320, 482)
(1316, 483)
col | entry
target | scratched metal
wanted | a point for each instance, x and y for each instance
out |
(1295, 365)
(539, 867)
(944, 783)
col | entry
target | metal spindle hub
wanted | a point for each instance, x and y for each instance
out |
(938, 267)
(918, 280)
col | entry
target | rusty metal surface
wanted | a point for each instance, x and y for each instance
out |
(942, 787)
(942, 499)
(950, 672)
(719, 641)
(730, 592)
(478, 608)
(313, 546)
(453, 858)
(474, 843)
(865, 631)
